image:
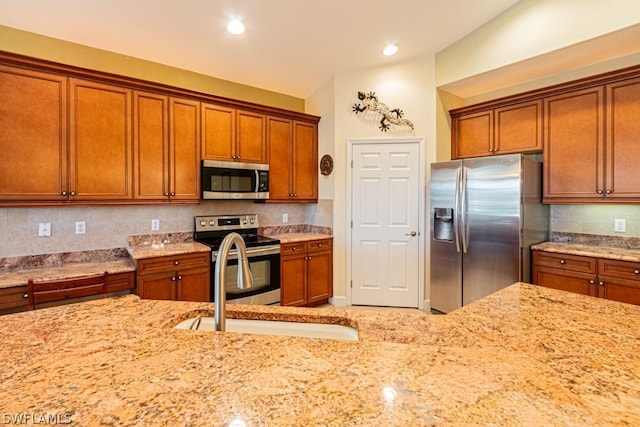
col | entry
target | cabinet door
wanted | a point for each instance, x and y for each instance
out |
(319, 277)
(33, 135)
(218, 132)
(293, 281)
(623, 135)
(251, 146)
(160, 286)
(100, 141)
(621, 290)
(305, 162)
(573, 164)
(193, 285)
(569, 281)
(518, 128)
(184, 149)
(473, 135)
(150, 146)
(280, 137)
(118, 282)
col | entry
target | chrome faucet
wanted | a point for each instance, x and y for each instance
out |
(245, 280)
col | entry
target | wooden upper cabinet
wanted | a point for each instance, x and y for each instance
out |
(305, 161)
(33, 135)
(473, 135)
(251, 144)
(166, 147)
(622, 180)
(218, 132)
(518, 128)
(511, 129)
(573, 164)
(293, 159)
(150, 145)
(99, 141)
(280, 137)
(184, 149)
(233, 135)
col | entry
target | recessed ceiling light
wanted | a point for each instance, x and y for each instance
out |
(391, 49)
(235, 27)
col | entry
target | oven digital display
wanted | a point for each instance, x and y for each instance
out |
(228, 221)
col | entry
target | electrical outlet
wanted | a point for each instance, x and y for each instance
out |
(81, 227)
(44, 229)
(285, 218)
(155, 224)
(620, 225)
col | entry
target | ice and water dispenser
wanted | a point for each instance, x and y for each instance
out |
(443, 224)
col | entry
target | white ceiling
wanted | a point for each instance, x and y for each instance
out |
(290, 46)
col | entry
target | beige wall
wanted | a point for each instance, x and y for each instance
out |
(407, 85)
(38, 46)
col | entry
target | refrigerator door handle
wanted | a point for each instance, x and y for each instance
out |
(456, 231)
(463, 210)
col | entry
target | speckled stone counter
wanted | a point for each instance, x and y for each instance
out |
(597, 251)
(165, 249)
(525, 355)
(10, 279)
(300, 237)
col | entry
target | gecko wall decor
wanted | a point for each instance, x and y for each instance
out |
(389, 117)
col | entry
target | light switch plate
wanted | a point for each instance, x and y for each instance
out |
(155, 224)
(285, 218)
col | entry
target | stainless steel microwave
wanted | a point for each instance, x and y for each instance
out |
(234, 180)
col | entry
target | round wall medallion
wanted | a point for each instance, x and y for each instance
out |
(326, 165)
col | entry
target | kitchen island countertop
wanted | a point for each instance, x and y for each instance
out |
(525, 355)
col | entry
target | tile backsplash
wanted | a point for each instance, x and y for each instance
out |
(110, 226)
(595, 219)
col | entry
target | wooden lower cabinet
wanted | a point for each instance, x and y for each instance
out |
(603, 278)
(306, 270)
(178, 278)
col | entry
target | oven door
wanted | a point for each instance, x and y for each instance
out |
(265, 269)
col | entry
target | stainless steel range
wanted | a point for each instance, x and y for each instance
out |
(263, 253)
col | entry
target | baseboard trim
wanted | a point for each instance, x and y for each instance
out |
(338, 301)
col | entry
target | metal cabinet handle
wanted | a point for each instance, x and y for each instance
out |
(609, 191)
(176, 262)
(25, 295)
(636, 271)
(73, 193)
(173, 279)
(591, 282)
(173, 194)
(64, 193)
(601, 283)
(179, 277)
(600, 191)
(412, 234)
(166, 194)
(563, 261)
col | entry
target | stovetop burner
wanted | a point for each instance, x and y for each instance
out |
(211, 230)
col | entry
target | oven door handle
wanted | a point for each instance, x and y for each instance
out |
(266, 250)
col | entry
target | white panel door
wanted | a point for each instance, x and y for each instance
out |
(385, 214)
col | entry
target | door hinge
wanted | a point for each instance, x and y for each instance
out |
(351, 223)
(351, 164)
(351, 284)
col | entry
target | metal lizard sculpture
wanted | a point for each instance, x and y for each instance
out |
(389, 117)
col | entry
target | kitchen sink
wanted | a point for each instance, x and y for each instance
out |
(275, 327)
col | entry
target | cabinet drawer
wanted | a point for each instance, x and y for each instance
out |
(173, 263)
(622, 269)
(581, 264)
(579, 283)
(14, 297)
(293, 248)
(120, 282)
(319, 245)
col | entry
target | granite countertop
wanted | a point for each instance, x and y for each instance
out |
(300, 237)
(10, 279)
(525, 355)
(591, 250)
(165, 249)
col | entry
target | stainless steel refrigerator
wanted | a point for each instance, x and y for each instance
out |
(486, 213)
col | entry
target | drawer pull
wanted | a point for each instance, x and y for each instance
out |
(319, 245)
(591, 282)
(25, 295)
(173, 279)
(293, 248)
(601, 283)
(179, 277)
(176, 262)
(562, 261)
(636, 271)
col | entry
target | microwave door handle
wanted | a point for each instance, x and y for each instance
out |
(255, 171)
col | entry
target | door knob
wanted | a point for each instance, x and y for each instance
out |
(412, 234)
